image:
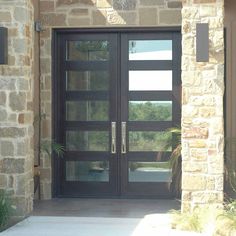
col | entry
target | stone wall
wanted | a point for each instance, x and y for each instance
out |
(16, 116)
(202, 106)
(91, 13)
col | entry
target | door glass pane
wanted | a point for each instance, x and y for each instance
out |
(87, 140)
(150, 80)
(149, 172)
(87, 50)
(87, 110)
(87, 80)
(150, 50)
(150, 110)
(94, 171)
(148, 141)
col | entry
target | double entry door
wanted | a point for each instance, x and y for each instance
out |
(115, 96)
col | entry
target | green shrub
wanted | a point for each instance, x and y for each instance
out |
(199, 220)
(6, 209)
(226, 222)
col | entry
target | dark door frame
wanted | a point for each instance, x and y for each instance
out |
(56, 93)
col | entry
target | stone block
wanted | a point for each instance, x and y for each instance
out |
(5, 17)
(203, 197)
(170, 17)
(79, 12)
(53, 19)
(69, 2)
(25, 118)
(7, 148)
(104, 3)
(130, 18)
(2, 97)
(12, 132)
(194, 167)
(193, 182)
(12, 166)
(195, 132)
(3, 114)
(124, 4)
(20, 184)
(46, 6)
(204, 1)
(17, 101)
(148, 16)
(7, 84)
(98, 18)
(21, 14)
(198, 154)
(174, 4)
(152, 2)
(3, 181)
(79, 22)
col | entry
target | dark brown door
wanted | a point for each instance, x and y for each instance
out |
(115, 94)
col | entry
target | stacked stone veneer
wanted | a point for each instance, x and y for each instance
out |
(202, 109)
(16, 116)
(91, 13)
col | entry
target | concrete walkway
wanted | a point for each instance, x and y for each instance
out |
(151, 225)
(98, 217)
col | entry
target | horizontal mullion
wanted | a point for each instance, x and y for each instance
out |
(149, 156)
(86, 156)
(87, 95)
(149, 125)
(150, 95)
(150, 65)
(86, 66)
(87, 125)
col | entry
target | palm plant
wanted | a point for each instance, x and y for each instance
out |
(174, 143)
(6, 209)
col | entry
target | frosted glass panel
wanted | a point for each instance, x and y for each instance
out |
(150, 80)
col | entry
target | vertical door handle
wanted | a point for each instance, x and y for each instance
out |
(123, 137)
(113, 137)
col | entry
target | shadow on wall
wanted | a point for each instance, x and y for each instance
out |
(104, 12)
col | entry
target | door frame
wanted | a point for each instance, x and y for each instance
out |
(56, 93)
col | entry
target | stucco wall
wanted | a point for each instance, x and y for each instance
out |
(92, 13)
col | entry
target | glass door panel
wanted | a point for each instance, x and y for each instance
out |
(88, 87)
(148, 85)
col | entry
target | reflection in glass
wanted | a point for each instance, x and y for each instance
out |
(150, 80)
(148, 140)
(87, 140)
(87, 80)
(150, 110)
(87, 110)
(149, 172)
(87, 50)
(96, 171)
(150, 50)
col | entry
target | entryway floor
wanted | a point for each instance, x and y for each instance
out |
(116, 208)
(98, 217)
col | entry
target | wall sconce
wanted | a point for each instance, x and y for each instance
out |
(202, 42)
(3, 45)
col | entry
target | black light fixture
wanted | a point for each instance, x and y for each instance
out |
(202, 42)
(3, 45)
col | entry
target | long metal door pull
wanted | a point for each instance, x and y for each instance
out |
(113, 137)
(123, 137)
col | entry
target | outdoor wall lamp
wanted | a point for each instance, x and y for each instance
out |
(202, 42)
(3, 45)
